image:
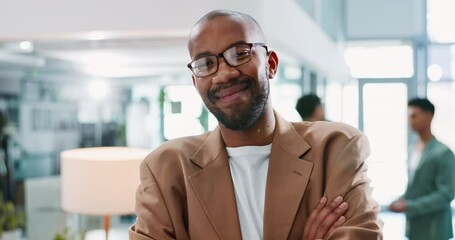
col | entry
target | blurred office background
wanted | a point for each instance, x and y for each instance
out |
(112, 73)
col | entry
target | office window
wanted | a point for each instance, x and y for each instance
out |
(182, 109)
(333, 102)
(385, 124)
(284, 97)
(350, 113)
(442, 95)
(440, 19)
(452, 62)
(441, 62)
(380, 61)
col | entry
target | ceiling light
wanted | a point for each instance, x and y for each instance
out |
(26, 46)
(434, 72)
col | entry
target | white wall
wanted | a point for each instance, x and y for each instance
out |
(385, 18)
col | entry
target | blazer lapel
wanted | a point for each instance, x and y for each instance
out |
(214, 188)
(287, 179)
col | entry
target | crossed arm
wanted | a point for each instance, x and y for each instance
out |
(325, 218)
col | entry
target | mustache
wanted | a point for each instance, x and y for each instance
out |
(248, 82)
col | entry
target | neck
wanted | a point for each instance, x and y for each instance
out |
(261, 133)
(312, 119)
(425, 135)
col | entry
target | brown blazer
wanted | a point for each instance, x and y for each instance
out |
(186, 189)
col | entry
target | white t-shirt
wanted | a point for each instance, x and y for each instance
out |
(414, 160)
(249, 167)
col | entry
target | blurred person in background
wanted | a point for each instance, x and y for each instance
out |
(431, 185)
(310, 108)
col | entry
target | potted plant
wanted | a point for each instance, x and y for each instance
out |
(67, 235)
(9, 221)
(64, 235)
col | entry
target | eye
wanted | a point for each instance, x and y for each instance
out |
(208, 63)
(204, 63)
(242, 53)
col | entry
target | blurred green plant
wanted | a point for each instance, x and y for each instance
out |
(9, 218)
(66, 235)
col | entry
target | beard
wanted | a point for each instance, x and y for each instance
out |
(242, 117)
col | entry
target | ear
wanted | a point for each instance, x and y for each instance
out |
(272, 64)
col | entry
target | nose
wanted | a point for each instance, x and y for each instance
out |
(225, 72)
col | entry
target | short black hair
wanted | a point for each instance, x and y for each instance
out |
(423, 104)
(307, 104)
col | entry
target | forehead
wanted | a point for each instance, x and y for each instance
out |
(415, 110)
(215, 35)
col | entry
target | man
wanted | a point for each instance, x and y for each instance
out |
(256, 176)
(431, 186)
(310, 108)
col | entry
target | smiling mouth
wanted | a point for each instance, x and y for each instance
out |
(231, 90)
(232, 93)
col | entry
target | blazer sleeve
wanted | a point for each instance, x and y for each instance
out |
(444, 191)
(347, 175)
(153, 220)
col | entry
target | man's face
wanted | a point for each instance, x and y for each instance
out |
(419, 119)
(236, 96)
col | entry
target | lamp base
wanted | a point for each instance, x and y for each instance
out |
(107, 224)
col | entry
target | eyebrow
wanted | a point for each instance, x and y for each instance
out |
(208, 53)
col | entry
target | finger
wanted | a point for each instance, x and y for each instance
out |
(392, 207)
(321, 215)
(338, 223)
(331, 219)
(321, 204)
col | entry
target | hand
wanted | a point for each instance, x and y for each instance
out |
(325, 218)
(398, 206)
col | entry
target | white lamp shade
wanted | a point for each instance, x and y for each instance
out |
(101, 180)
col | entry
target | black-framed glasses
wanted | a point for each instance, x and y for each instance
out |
(234, 56)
